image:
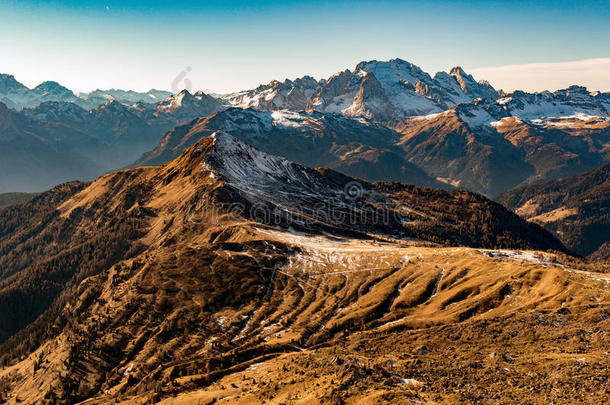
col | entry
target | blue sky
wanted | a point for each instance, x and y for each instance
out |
(240, 44)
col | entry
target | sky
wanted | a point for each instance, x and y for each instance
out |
(225, 46)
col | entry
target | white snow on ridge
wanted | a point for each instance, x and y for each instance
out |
(476, 117)
(286, 118)
(579, 116)
(428, 116)
(258, 173)
(516, 255)
(546, 109)
(567, 120)
(504, 121)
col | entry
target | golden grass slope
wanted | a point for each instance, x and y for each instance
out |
(345, 321)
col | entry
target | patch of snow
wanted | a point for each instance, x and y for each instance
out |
(220, 321)
(504, 121)
(476, 117)
(538, 258)
(128, 370)
(428, 116)
(286, 118)
(579, 116)
(254, 366)
(411, 382)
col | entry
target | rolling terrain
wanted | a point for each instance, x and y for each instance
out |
(228, 275)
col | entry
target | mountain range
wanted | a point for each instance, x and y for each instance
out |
(59, 141)
(18, 96)
(479, 146)
(374, 90)
(447, 128)
(362, 149)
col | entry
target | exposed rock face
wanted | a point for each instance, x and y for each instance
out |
(468, 85)
(408, 90)
(185, 105)
(371, 101)
(289, 94)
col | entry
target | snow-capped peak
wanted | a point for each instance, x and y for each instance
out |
(242, 164)
(394, 71)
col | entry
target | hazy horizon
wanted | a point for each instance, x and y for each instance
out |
(591, 73)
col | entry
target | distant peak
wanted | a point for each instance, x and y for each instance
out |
(225, 143)
(400, 61)
(457, 71)
(223, 138)
(5, 77)
(393, 70)
(230, 156)
(577, 89)
(8, 82)
(50, 86)
(396, 61)
(49, 83)
(111, 105)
